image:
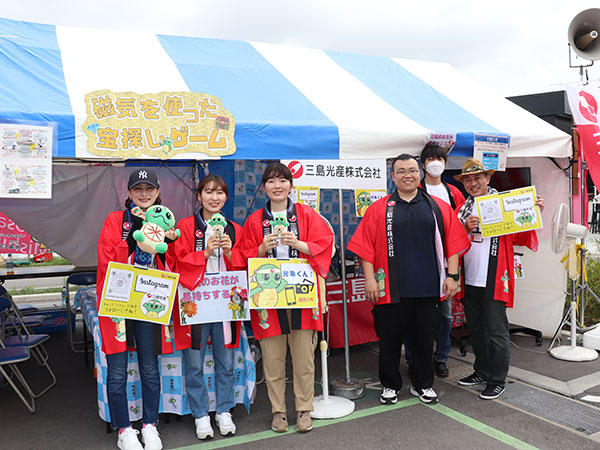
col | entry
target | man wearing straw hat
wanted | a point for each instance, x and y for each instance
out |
(489, 285)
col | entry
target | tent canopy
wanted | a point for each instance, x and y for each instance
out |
(287, 101)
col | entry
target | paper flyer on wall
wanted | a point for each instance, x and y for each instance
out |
(363, 198)
(136, 293)
(508, 212)
(26, 149)
(307, 195)
(491, 150)
(220, 297)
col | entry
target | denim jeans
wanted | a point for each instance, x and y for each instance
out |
(442, 346)
(444, 327)
(116, 379)
(194, 372)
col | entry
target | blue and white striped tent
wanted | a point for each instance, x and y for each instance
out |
(288, 102)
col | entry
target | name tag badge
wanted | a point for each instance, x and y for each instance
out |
(476, 236)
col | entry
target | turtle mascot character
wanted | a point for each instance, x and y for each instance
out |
(151, 237)
(218, 223)
(363, 201)
(270, 283)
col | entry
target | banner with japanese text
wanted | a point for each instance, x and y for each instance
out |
(508, 212)
(281, 283)
(136, 293)
(158, 125)
(13, 239)
(584, 102)
(306, 195)
(339, 174)
(220, 297)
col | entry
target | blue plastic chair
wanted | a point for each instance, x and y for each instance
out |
(9, 358)
(23, 338)
(78, 279)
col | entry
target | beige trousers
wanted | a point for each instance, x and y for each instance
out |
(302, 345)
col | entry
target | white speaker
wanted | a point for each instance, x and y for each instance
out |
(583, 34)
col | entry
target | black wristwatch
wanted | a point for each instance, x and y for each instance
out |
(454, 276)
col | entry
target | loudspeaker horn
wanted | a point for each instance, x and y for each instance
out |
(583, 34)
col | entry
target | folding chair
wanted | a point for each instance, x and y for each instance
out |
(78, 279)
(24, 338)
(10, 357)
(24, 311)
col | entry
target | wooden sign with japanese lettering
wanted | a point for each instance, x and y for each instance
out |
(158, 125)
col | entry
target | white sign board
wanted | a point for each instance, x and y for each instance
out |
(491, 150)
(339, 174)
(26, 159)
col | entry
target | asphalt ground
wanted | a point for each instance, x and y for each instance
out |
(524, 417)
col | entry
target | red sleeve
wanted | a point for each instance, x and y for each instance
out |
(319, 238)
(189, 264)
(458, 196)
(362, 242)
(457, 241)
(111, 247)
(527, 239)
(237, 258)
(252, 236)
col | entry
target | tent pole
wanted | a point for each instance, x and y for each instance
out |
(348, 387)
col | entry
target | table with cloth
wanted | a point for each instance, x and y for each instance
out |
(173, 394)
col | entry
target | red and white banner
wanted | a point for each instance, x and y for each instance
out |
(13, 239)
(584, 101)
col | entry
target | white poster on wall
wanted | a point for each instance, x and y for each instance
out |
(26, 158)
(339, 174)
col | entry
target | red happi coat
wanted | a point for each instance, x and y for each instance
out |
(314, 231)
(501, 268)
(112, 247)
(191, 267)
(370, 240)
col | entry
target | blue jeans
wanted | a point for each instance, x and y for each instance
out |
(194, 372)
(444, 327)
(116, 379)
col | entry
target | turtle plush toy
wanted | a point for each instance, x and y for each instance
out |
(218, 223)
(279, 223)
(151, 237)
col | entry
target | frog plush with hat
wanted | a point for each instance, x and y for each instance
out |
(151, 237)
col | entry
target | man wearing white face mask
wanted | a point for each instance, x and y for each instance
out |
(433, 158)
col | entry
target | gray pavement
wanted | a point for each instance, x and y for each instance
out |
(525, 417)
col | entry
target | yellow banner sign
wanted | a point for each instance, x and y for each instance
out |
(363, 198)
(135, 293)
(508, 212)
(160, 125)
(281, 283)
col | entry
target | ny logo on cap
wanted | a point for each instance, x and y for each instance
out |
(142, 174)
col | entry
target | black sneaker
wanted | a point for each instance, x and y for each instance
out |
(425, 395)
(472, 380)
(440, 369)
(491, 391)
(388, 396)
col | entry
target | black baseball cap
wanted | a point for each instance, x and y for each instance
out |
(142, 176)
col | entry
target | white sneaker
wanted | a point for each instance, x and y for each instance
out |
(151, 438)
(128, 440)
(203, 428)
(388, 396)
(425, 395)
(226, 425)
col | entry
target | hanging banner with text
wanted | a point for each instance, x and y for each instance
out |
(134, 293)
(584, 102)
(339, 174)
(26, 158)
(13, 239)
(508, 212)
(308, 196)
(159, 125)
(281, 283)
(220, 297)
(491, 150)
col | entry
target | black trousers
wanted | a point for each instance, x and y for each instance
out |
(417, 319)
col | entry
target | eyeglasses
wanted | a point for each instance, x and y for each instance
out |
(402, 172)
